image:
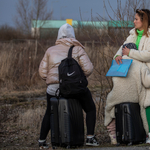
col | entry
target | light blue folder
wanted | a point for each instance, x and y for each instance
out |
(120, 70)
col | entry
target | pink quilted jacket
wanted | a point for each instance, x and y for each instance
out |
(48, 68)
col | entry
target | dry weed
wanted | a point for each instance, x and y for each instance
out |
(31, 119)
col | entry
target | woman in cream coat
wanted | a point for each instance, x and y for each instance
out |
(140, 35)
(129, 89)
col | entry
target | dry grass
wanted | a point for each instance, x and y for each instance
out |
(31, 118)
(20, 62)
(21, 125)
(19, 66)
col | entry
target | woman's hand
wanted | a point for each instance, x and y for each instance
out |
(118, 59)
(125, 51)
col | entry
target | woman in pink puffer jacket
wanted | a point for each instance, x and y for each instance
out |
(48, 70)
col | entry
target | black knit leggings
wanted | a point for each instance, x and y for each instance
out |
(87, 105)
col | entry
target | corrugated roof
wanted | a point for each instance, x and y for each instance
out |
(97, 24)
(120, 24)
(48, 23)
(59, 23)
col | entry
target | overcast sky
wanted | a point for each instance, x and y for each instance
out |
(66, 9)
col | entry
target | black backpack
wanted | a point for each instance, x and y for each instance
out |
(71, 77)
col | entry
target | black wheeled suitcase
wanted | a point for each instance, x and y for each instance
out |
(129, 125)
(67, 126)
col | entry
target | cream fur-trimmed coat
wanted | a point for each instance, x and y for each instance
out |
(142, 54)
(129, 89)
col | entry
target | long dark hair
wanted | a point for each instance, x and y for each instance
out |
(144, 15)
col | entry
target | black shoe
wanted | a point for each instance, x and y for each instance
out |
(92, 141)
(43, 145)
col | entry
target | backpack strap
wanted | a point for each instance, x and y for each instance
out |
(57, 93)
(70, 52)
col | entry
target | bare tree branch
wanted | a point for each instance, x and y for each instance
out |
(29, 11)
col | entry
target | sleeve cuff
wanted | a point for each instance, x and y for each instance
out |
(129, 53)
(116, 56)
